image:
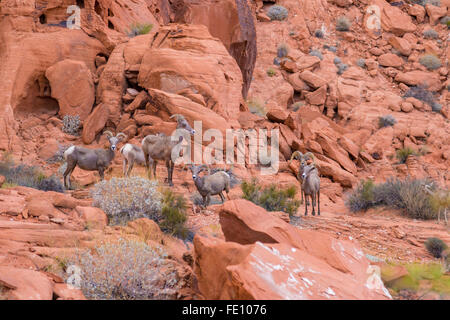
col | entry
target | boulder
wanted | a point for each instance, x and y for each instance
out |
(312, 79)
(187, 56)
(393, 19)
(26, 284)
(401, 45)
(264, 257)
(95, 123)
(418, 77)
(94, 218)
(390, 60)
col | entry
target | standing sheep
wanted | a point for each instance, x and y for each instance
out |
(211, 184)
(159, 147)
(303, 163)
(311, 187)
(91, 159)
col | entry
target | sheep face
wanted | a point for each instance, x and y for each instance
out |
(307, 170)
(196, 170)
(183, 124)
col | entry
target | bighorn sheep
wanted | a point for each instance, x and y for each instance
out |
(303, 163)
(442, 198)
(131, 154)
(91, 159)
(159, 147)
(311, 187)
(211, 184)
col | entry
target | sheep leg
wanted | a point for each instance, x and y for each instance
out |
(101, 172)
(208, 200)
(313, 203)
(169, 173)
(124, 167)
(204, 202)
(67, 174)
(222, 197)
(130, 167)
(318, 202)
(147, 164)
(154, 163)
(172, 166)
(306, 204)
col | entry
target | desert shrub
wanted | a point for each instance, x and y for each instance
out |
(341, 68)
(71, 124)
(316, 53)
(386, 121)
(404, 153)
(420, 93)
(436, 3)
(430, 61)
(282, 50)
(435, 246)
(173, 214)
(361, 63)
(319, 34)
(407, 195)
(277, 12)
(337, 60)
(436, 107)
(126, 199)
(430, 34)
(445, 20)
(59, 154)
(28, 176)
(256, 107)
(330, 48)
(126, 270)
(271, 198)
(271, 72)
(296, 106)
(343, 24)
(137, 29)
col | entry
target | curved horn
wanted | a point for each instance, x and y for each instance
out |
(121, 134)
(177, 115)
(108, 133)
(297, 153)
(207, 167)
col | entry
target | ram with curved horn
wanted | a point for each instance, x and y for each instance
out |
(159, 147)
(91, 159)
(210, 184)
(303, 163)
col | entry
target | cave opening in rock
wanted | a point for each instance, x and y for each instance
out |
(97, 8)
(110, 13)
(42, 19)
(110, 25)
(80, 4)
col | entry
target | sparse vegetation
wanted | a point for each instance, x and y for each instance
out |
(319, 34)
(316, 53)
(296, 106)
(430, 61)
(404, 153)
(420, 93)
(282, 50)
(126, 199)
(277, 12)
(137, 29)
(386, 121)
(343, 24)
(361, 63)
(407, 195)
(127, 270)
(173, 214)
(58, 157)
(271, 72)
(430, 34)
(435, 247)
(28, 176)
(341, 68)
(71, 125)
(256, 107)
(330, 48)
(337, 60)
(436, 107)
(271, 198)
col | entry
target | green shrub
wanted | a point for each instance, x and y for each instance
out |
(404, 153)
(137, 29)
(386, 121)
(277, 12)
(343, 24)
(271, 198)
(430, 61)
(71, 125)
(28, 176)
(173, 214)
(271, 72)
(126, 270)
(435, 247)
(256, 107)
(445, 20)
(430, 34)
(407, 195)
(127, 199)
